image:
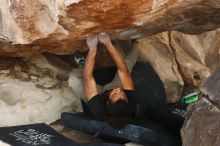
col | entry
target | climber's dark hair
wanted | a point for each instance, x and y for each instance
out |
(119, 112)
(120, 108)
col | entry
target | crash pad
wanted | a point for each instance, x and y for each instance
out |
(33, 135)
(39, 135)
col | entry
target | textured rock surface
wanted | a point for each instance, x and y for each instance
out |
(32, 91)
(156, 50)
(201, 126)
(38, 85)
(37, 26)
(181, 60)
(189, 54)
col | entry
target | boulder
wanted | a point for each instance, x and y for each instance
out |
(182, 61)
(157, 52)
(201, 126)
(190, 57)
(30, 27)
(31, 91)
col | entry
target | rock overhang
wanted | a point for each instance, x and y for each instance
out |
(30, 27)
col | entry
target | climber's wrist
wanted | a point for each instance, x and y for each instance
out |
(108, 45)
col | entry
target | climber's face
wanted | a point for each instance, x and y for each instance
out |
(116, 94)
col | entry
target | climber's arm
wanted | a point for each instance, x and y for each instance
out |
(123, 72)
(89, 81)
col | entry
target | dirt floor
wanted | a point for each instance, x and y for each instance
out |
(78, 136)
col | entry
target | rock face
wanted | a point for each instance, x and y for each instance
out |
(32, 91)
(181, 60)
(201, 126)
(156, 50)
(30, 27)
(36, 90)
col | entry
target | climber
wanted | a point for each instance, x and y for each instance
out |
(116, 99)
(118, 102)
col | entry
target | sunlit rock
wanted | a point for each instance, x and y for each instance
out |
(181, 60)
(32, 92)
(60, 27)
(190, 57)
(157, 52)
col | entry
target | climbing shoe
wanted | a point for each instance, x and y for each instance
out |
(80, 60)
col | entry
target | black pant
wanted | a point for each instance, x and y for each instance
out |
(152, 135)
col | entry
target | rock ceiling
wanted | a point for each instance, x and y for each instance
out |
(30, 27)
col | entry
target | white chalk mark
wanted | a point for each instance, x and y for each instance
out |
(32, 137)
(69, 2)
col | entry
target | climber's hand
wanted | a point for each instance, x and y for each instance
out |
(104, 38)
(92, 42)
